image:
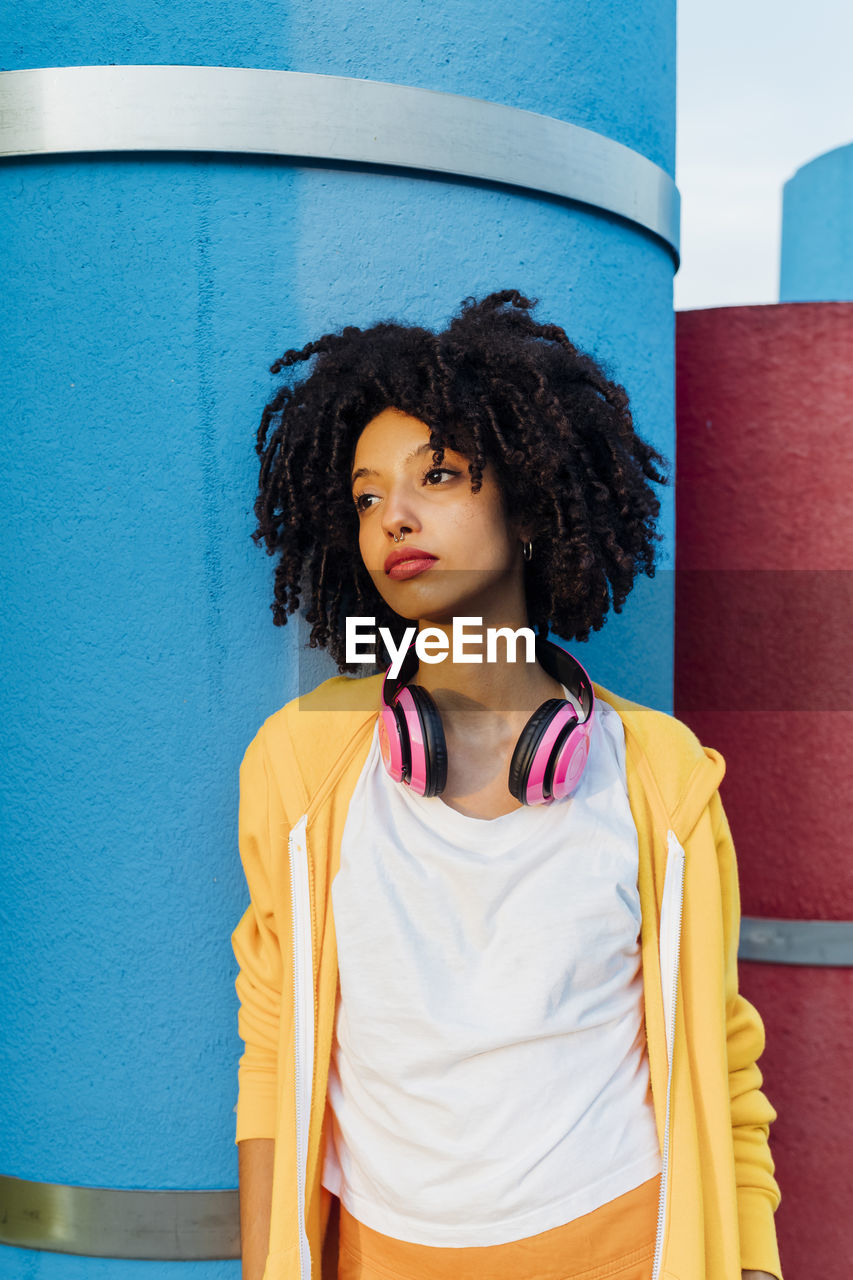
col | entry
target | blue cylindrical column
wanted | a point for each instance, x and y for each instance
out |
(817, 230)
(147, 293)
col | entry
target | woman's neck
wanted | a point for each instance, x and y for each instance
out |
(470, 694)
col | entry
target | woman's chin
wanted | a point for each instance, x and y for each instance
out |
(414, 608)
(439, 597)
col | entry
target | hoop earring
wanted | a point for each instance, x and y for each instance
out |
(527, 550)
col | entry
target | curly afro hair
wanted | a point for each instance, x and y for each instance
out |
(497, 387)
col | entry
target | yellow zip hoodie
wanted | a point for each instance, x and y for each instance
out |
(718, 1192)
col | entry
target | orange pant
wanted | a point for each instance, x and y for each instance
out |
(615, 1242)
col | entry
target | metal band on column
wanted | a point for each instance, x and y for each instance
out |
(808, 942)
(55, 110)
(101, 1222)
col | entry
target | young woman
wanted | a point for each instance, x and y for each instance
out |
(488, 973)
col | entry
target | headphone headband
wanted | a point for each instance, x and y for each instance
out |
(563, 666)
(408, 667)
(556, 660)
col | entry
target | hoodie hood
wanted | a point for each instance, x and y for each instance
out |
(658, 742)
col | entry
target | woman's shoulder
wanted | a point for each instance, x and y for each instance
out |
(307, 735)
(679, 762)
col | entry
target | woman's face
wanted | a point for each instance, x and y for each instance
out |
(472, 563)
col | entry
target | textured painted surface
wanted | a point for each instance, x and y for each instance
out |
(148, 296)
(817, 230)
(763, 663)
(808, 1015)
(763, 603)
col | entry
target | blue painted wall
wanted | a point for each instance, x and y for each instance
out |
(817, 230)
(146, 297)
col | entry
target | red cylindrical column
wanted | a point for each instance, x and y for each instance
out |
(764, 549)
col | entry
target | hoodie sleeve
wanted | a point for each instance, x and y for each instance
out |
(260, 950)
(757, 1190)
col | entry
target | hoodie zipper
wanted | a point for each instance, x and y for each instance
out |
(672, 907)
(303, 1021)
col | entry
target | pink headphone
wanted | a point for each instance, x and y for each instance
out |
(548, 759)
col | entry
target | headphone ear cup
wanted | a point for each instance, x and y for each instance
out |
(525, 749)
(532, 765)
(394, 742)
(570, 757)
(429, 758)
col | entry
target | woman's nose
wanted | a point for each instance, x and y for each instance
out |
(400, 511)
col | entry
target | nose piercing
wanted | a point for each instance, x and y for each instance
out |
(400, 539)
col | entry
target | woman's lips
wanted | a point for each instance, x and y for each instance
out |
(411, 567)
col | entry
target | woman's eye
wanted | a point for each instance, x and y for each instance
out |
(440, 471)
(361, 501)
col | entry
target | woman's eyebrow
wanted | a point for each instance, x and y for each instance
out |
(365, 471)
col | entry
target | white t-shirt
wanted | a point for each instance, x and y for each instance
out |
(489, 1078)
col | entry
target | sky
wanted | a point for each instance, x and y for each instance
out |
(763, 87)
